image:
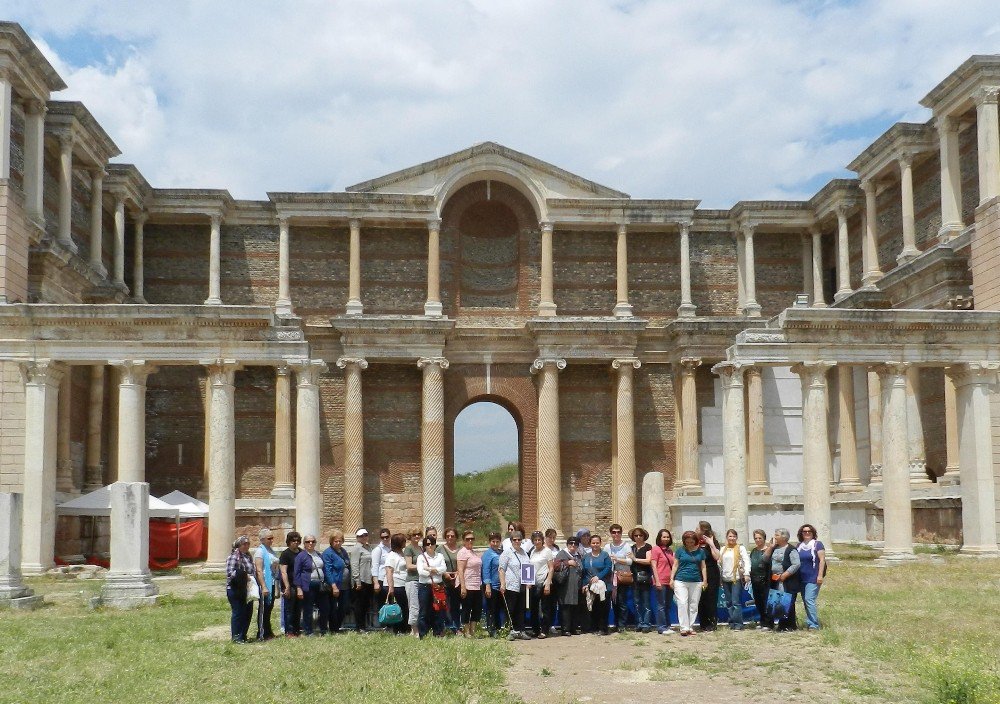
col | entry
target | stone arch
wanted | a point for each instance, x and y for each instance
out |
(503, 172)
(511, 387)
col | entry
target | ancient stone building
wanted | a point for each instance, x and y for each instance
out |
(301, 360)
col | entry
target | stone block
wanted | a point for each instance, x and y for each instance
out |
(13, 593)
(129, 584)
(653, 503)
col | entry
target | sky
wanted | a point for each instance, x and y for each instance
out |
(710, 99)
(485, 436)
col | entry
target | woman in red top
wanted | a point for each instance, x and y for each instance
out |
(663, 564)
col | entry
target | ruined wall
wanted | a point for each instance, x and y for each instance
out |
(778, 269)
(586, 424)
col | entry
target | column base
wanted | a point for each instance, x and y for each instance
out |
(213, 301)
(622, 310)
(283, 308)
(752, 309)
(27, 602)
(433, 309)
(820, 304)
(688, 490)
(988, 552)
(100, 270)
(546, 309)
(354, 307)
(853, 485)
(758, 490)
(35, 570)
(951, 477)
(907, 256)
(687, 310)
(918, 472)
(842, 294)
(869, 279)
(283, 491)
(139, 300)
(68, 245)
(890, 559)
(949, 231)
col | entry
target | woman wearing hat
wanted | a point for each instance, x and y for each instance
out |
(642, 576)
(239, 570)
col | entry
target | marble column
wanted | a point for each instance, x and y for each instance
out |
(41, 400)
(741, 274)
(215, 263)
(756, 469)
(354, 443)
(807, 268)
(847, 430)
(654, 501)
(624, 508)
(308, 488)
(432, 439)
(119, 253)
(546, 303)
(843, 260)
(97, 221)
(283, 306)
(734, 447)
(222, 461)
(94, 472)
(132, 419)
(689, 482)
(750, 307)
(623, 309)
(979, 521)
(897, 511)
(64, 233)
(6, 104)
(687, 308)
(677, 382)
(64, 424)
(952, 446)
(12, 590)
(819, 298)
(816, 461)
(284, 479)
(549, 483)
(987, 121)
(910, 250)
(206, 385)
(951, 179)
(354, 305)
(875, 405)
(129, 583)
(432, 307)
(869, 250)
(138, 265)
(34, 159)
(915, 429)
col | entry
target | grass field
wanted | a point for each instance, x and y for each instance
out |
(927, 632)
(486, 500)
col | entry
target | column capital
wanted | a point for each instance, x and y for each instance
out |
(134, 372)
(973, 373)
(623, 228)
(540, 364)
(689, 364)
(813, 373)
(216, 220)
(869, 187)
(904, 159)
(97, 173)
(946, 124)
(814, 231)
(34, 106)
(731, 373)
(431, 361)
(283, 369)
(39, 372)
(283, 221)
(545, 226)
(754, 370)
(842, 210)
(747, 229)
(684, 226)
(140, 218)
(66, 141)
(308, 371)
(434, 224)
(987, 95)
(354, 224)
(625, 362)
(221, 371)
(359, 362)
(891, 372)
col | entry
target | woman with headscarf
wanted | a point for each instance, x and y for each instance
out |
(567, 571)
(239, 570)
(265, 562)
(310, 578)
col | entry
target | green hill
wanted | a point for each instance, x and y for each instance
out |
(486, 500)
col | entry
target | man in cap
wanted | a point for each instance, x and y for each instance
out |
(361, 577)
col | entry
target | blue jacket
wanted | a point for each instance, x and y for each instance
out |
(599, 566)
(491, 568)
(302, 574)
(336, 569)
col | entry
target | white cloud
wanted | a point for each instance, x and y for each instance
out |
(714, 100)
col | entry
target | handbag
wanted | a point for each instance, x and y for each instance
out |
(779, 603)
(390, 614)
(439, 597)
(253, 590)
(643, 578)
(624, 577)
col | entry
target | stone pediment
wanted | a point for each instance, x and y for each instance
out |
(488, 160)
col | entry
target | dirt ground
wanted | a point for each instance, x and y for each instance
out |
(723, 667)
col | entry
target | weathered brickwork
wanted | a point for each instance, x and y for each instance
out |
(394, 269)
(318, 271)
(176, 263)
(655, 433)
(932, 418)
(175, 430)
(11, 427)
(14, 245)
(778, 271)
(586, 425)
(584, 271)
(654, 274)
(713, 273)
(17, 146)
(984, 257)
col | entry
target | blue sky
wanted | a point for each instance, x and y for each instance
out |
(716, 100)
(485, 436)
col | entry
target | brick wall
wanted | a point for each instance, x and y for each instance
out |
(14, 244)
(586, 424)
(713, 273)
(176, 263)
(584, 272)
(11, 427)
(175, 418)
(932, 418)
(654, 274)
(778, 269)
(655, 434)
(984, 255)
(318, 271)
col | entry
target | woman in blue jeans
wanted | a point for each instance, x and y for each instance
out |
(734, 563)
(239, 570)
(812, 561)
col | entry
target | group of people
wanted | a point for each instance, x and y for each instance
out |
(526, 584)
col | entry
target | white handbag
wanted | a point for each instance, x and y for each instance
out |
(253, 590)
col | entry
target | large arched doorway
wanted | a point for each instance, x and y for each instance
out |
(486, 491)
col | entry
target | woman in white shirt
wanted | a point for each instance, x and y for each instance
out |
(542, 599)
(395, 577)
(510, 586)
(734, 563)
(433, 601)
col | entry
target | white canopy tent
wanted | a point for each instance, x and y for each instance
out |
(188, 506)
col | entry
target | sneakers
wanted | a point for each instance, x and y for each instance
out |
(524, 635)
(514, 635)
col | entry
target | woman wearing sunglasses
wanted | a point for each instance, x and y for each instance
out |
(470, 583)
